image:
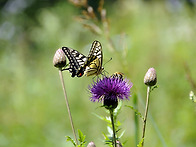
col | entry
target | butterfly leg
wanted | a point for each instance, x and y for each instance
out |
(73, 73)
(65, 69)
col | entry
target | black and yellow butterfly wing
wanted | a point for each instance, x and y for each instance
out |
(76, 61)
(93, 64)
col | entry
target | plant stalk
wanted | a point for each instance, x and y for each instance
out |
(136, 122)
(68, 108)
(113, 127)
(146, 113)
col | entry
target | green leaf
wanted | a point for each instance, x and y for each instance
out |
(140, 144)
(110, 131)
(121, 134)
(108, 141)
(153, 88)
(106, 119)
(117, 110)
(68, 138)
(81, 136)
(136, 111)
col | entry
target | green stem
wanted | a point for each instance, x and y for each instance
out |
(146, 113)
(113, 127)
(136, 122)
(68, 108)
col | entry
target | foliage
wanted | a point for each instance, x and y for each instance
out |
(108, 137)
(140, 144)
(136, 111)
(81, 137)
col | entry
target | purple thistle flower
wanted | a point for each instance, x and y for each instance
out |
(110, 90)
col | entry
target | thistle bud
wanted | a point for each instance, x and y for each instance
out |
(59, 59)
(118, 144)
(150, 78)
(110, 102)
(91, 144)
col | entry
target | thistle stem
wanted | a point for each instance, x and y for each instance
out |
(146, 113)
(113, 127)
(136, 122)
(68, 108)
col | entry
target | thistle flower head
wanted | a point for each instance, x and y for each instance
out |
(110, 90)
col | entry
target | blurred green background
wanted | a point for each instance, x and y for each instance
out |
(144, 34)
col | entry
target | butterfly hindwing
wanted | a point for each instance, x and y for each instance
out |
(76, 60)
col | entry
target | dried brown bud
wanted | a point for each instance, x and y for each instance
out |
(91, 144)
(150, 78)
(91, 12)
(59, 59)
(90, 9)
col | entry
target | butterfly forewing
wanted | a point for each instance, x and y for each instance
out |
(96, 51)
(94, 60)
(76, 60)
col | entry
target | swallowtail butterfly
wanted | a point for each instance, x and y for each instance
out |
(80, 65)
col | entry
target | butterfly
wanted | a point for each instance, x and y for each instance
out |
(93, 64)
(80, 65)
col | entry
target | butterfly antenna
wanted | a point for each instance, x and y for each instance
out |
(107, 61)
(97, 78)
(104, 71)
